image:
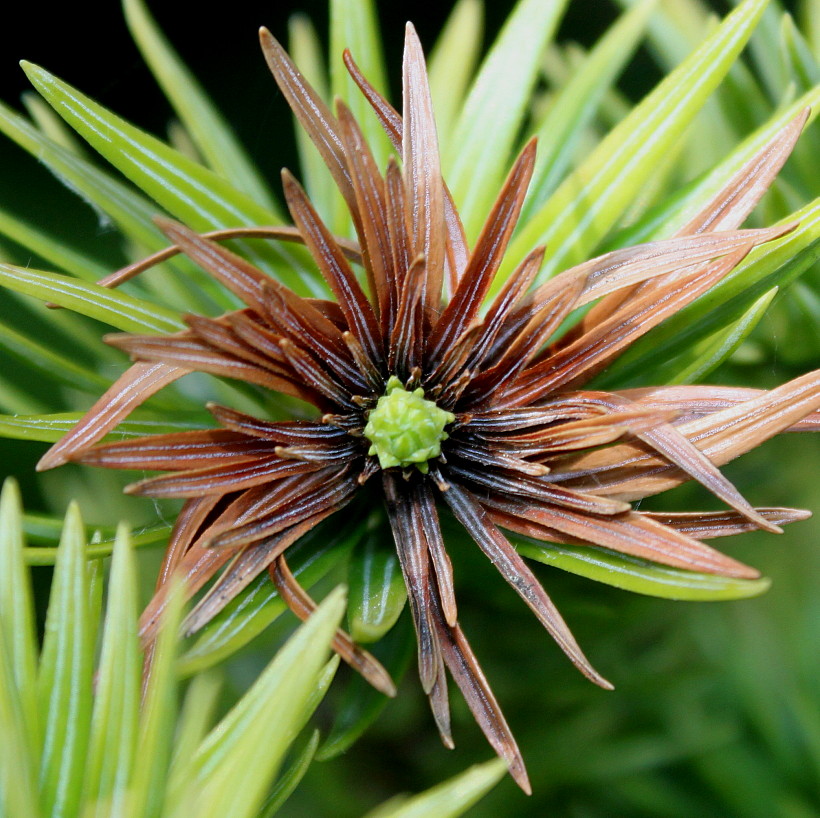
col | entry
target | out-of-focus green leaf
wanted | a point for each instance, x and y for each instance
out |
(636, 575)
(50, 249)
(64, 679)
(576, 102)
(354, 25)
(589, 202)
(290, 779)
(453, 60)
(196, 718)
(192, 193)
(48, 364)
(474, 153)
(245, 617)
(809, 16)
(122, 311)
(803, 65)
(706, 355)
(16, 619)
(50, 428)
(447, 800)
(207, 127)
(763, 46)
(795, 327)
(361, 704)
(377, 589)
(232, 775)
(114, 724)
(157, 719)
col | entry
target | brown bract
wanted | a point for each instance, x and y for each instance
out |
(531, 450)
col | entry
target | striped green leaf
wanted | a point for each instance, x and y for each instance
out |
(636, 575)
(65, 676)
(589, 202)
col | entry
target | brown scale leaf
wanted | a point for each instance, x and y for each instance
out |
(289, 431)
(629, 472)
(422, 170)
(313, 115)
(519, 576)
(369, 188)
(705, 525)
(177, 450)
(220, 479)
(630, 533)
(469, 677)
(457, 251)
(127, 393)
(301, 499)
(185, 351)
(404, 516)
(245, 567)
(300, 603)
(486, 256)
(334, 267)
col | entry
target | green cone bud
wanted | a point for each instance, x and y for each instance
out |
(405, 428)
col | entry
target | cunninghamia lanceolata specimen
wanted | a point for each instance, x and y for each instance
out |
(418, 388)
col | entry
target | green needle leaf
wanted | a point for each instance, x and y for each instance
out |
(18, 756)
(64, 681)
(50, 249)
(156, 728)
(231, 775)
(290, 779)
(113, 743)
(575, 103)
(50, 428)
(494, 110)
(703, 357)
(589, 202)
(48, 364)
(377, 589)
(636, 575)
(447, 800)
(111, 198)
(774, 265)
(120, 310)
(16, 613)
(192, 193)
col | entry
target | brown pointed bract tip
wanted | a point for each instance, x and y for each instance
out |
(522, 444)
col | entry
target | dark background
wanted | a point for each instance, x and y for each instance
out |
(88, 45)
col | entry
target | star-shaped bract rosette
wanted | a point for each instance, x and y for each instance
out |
(437, 395)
